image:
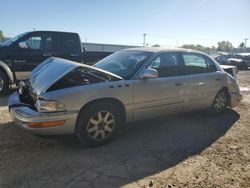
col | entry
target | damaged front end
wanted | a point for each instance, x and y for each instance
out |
(31, 110)
(55, 74)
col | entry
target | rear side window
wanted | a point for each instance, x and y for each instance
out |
(196, 64)
(70, 44)
(47, 43)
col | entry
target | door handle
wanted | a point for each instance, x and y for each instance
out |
(217, 79)
(178, 84)
(74, 55)
(47, 54)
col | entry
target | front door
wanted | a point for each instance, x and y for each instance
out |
(163, 95)
(30, 52)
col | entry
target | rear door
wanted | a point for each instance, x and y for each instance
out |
(70, 47)
(202, 80)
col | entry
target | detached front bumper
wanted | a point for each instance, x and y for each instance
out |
(23, 115)
(235, 99)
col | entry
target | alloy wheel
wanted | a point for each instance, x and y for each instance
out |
(101, 125)
(220, 102)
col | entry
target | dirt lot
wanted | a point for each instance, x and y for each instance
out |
(191, 150)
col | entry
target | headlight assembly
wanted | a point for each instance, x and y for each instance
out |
(49, 106)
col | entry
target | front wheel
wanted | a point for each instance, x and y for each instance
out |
(97, 124)
(4, 83)
(220, 103)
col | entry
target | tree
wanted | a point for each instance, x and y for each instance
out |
(197, 47)
(224, 46)
(242, 45)
(156, 45)
(1, 35)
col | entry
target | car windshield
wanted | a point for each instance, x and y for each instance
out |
(124, 63)
(12, 40)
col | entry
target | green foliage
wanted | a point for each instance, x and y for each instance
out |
(242, 45)
(156, 45)
(1, 35)
(224, 46)
(197, 47)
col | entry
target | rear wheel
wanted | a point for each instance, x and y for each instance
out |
(97, 124)
(220, 103)
(4, 82)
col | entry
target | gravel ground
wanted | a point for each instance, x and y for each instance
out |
(187, 150)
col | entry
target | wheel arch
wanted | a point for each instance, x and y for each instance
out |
(7, 71)
(113, 101)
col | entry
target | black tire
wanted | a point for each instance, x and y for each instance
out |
(4, 83)
(220, 103)
(243, 66)
(88, 125)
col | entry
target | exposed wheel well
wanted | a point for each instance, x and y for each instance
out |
(113, 101)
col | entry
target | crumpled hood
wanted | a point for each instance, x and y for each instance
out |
(53, 69)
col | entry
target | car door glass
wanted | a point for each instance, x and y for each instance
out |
(167, 65)
(70, 44)
(195, 64)
(211, 65)
(33, 42)
(47, 43)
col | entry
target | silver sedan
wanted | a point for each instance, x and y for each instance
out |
(63, 97)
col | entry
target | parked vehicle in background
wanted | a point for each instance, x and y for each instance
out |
(245, 57)
(64, 97)
(21, 54)
(234, 60)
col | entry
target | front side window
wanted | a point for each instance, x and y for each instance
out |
(167, 65)
(195, 64)
(33, 42)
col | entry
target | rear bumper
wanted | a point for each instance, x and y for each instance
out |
(235, 99)
(22, 115)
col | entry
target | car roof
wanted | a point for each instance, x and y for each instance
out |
(159, 49)
(62, 32)
(244, 54)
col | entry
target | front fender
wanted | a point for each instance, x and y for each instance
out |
(7, 70)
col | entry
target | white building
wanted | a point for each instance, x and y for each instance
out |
(97, 47)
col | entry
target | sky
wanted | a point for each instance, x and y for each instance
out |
(165, 22)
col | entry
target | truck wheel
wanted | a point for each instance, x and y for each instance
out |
(4, 82)
(245, 66)
(220, 103)
(97, 124)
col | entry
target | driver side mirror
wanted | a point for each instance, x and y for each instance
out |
(150, 73)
